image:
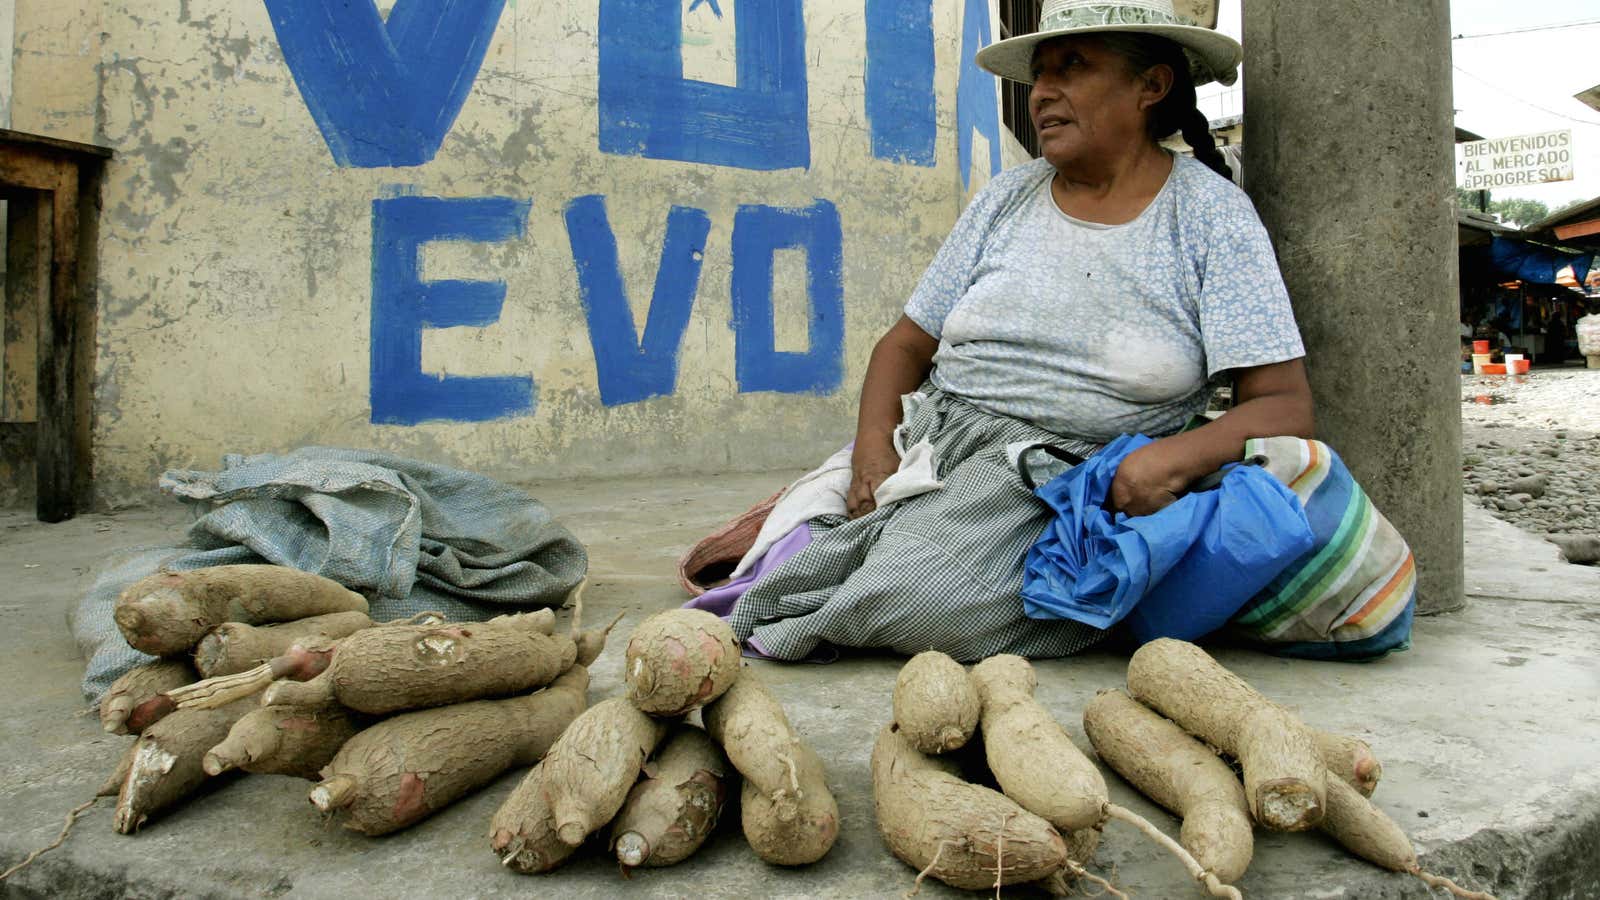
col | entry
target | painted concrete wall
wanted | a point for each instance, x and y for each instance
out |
(533, 239)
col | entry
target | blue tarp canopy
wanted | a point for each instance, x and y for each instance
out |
(1527, 261)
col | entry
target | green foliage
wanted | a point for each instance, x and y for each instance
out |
(1513, 211)
(1467, 200)
(1521, 212)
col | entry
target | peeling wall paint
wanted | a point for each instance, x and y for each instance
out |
(512, 237)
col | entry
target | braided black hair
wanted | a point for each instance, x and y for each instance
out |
(1179, 110)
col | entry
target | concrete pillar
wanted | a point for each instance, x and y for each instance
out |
(1348, 130)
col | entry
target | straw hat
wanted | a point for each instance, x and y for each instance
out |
(1212, 56)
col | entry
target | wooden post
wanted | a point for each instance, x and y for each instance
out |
(56, 449)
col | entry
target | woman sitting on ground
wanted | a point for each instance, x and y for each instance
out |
(1104, 289)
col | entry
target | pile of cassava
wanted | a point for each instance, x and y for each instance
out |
(1171, 735)
(677, 662)
(270, 670)
(266, 669)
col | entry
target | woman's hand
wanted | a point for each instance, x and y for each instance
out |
(900, 361)
(1150, 478)
(1273, 399)
(870, 469)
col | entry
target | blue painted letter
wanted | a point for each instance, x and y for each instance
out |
(633, 368)
(900, 101)
(403, 305)
(647, 107)
(384, 94)
(758, 232)
(976, 105)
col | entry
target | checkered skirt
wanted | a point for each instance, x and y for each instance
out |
(940, 571)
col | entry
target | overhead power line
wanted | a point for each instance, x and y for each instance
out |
(1466, 37)
(1525, 102)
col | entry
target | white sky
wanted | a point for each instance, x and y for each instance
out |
(1500, 81)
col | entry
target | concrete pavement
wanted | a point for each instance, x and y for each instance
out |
(1489, 731)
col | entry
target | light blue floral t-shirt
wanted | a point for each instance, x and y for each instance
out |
(1092, 331)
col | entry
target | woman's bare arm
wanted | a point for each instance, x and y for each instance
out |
(1269, 401)
(899, 364)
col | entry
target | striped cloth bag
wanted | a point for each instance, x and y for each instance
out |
(1353, 594)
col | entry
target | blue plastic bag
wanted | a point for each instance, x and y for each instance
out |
(1182, 572)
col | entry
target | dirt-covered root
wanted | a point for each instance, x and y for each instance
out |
(138, 699)
(678, 660)
(588, 771)
(1082, 844)
(805, 837)
(1030, 754)
(167, 762)
(540, 620)
(1349, 759)
(967, 836)
(303, 661)
(1064, 883)
(401, 770)
(675, 807)
(592, 643)
(234, 647)
(66, 829)
(523, 831)
(1285, 780)
(1199, 873)
(749, 723)
(935, 703)
(1284, 776)
(391, 668)
(1369, 833)
(283, 740)
(169, 612)
(1180, 773)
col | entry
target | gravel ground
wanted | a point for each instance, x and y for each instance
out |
(1530, 451)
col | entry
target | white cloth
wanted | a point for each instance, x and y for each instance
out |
(823, 491)
(918, 474)
(820, 492)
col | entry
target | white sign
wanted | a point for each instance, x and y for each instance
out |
(1515, 161)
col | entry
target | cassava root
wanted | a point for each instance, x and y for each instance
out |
(1369, 833)
(523, 830)
(1181, 774)
(749, 723)
(588, 771)
(675, 807)
(1284, 776)
(803, 838)
(678, 660)
(234, 647)
(167, 762)
(404, 769)
(936, 704)
(303, 661)
(283, 740)
(140, 697)
(967, 836)
(389, 668)
(169, 612)
(1030, 754)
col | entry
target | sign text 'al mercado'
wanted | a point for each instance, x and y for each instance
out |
(1513, 161)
